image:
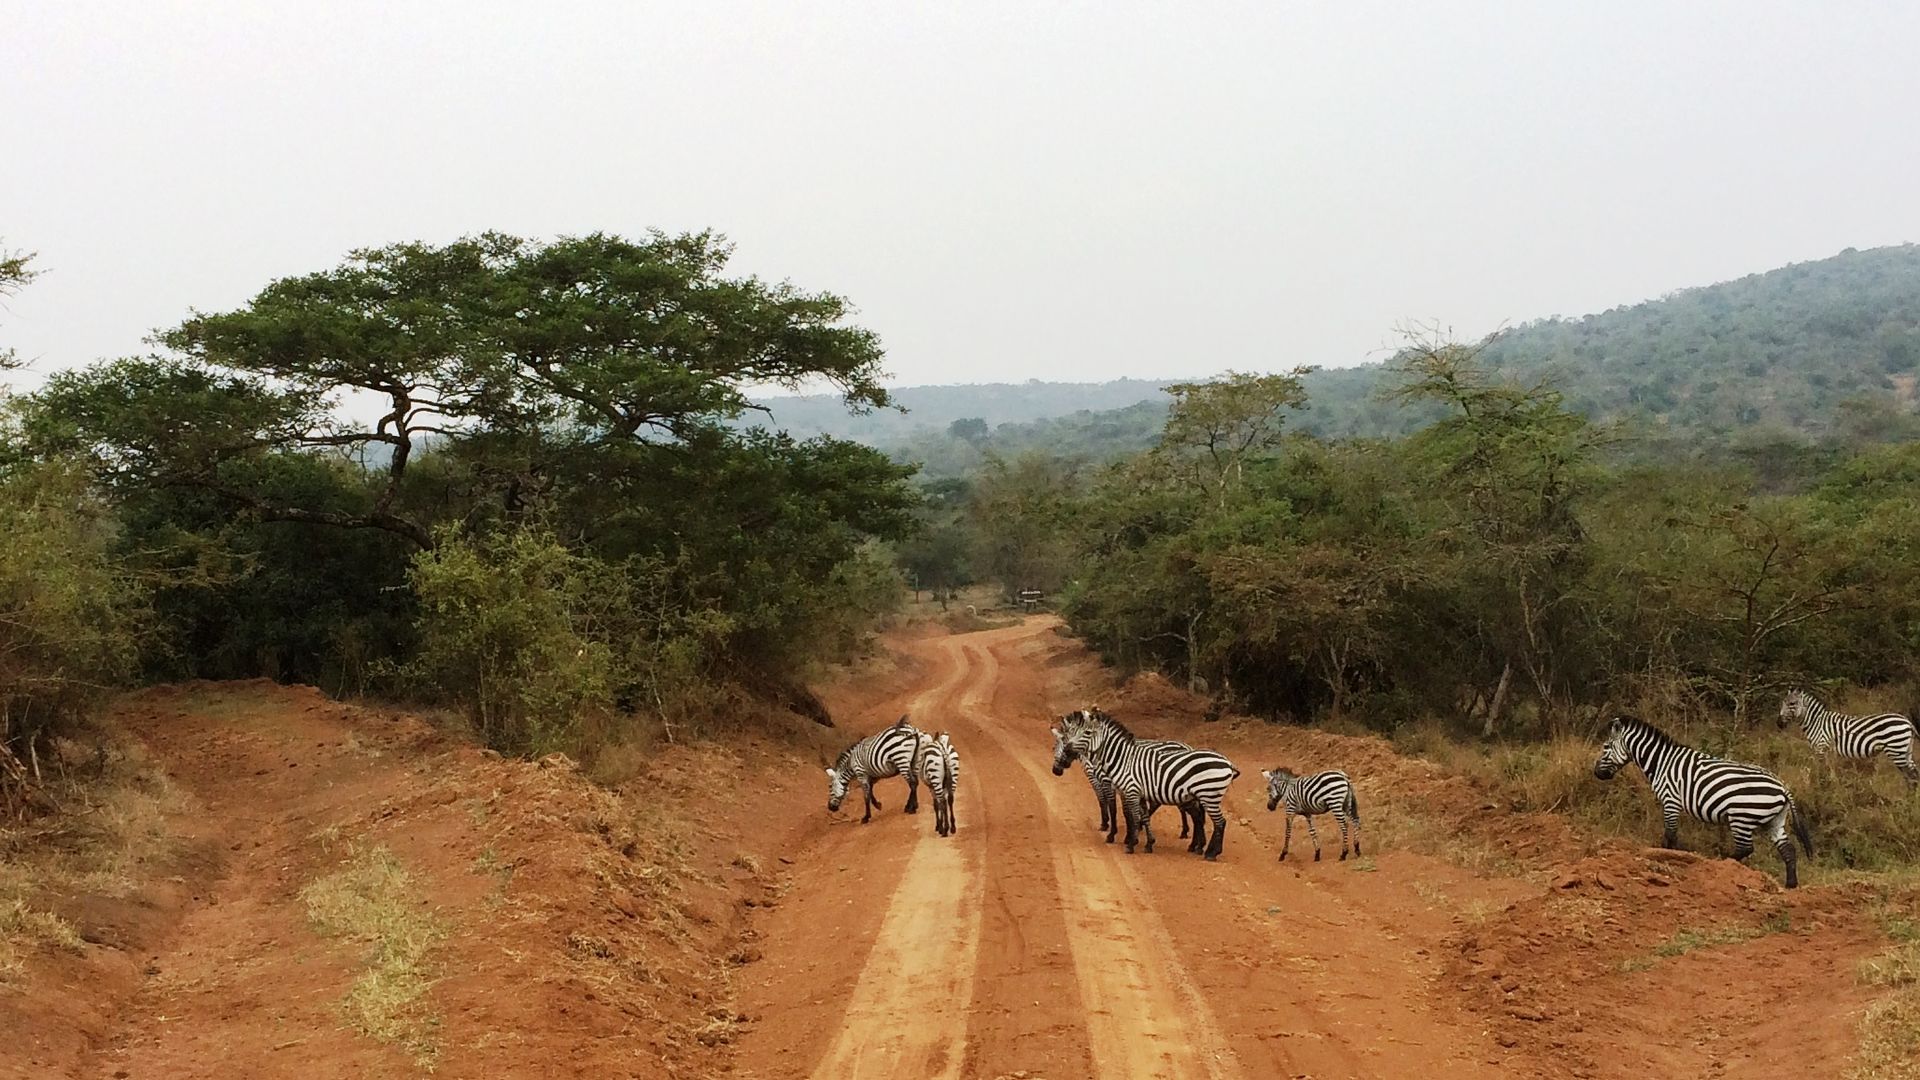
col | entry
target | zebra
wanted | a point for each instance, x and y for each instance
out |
(887, 752)
(1103, 792)
(1146, 777)
(940, 768)
(1745, 798)
(1321, 793)
(1865, 737)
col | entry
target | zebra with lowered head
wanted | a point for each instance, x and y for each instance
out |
(888, 752)
(1146, 777)
(1745, 798)
(940, 769)
(1103, 792)
(1327, 792)
(1863, 737)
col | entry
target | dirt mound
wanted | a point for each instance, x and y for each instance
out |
(1593, 973)
(372, 899)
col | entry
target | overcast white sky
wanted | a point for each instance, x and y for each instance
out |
(1006, 191)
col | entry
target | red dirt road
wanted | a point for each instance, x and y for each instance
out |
(1025, 945)
(710, 918)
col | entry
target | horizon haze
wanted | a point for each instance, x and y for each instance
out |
(1003, 192)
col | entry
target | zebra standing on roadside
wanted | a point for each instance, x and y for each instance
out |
(1327, 792)
(1103, 792)
(1745, 798)
(940, 768)
(887, 752)
(1147, 777)
(1862, 737)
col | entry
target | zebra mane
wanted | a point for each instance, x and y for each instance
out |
(1117, 727)
(1634, 723)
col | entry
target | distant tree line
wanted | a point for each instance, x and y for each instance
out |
(1513, 564)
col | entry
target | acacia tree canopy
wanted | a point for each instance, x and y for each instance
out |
(528, 353)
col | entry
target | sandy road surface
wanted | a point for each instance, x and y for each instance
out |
(1025, 945)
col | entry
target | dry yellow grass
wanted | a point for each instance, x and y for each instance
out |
(372, 900)
(111, 823)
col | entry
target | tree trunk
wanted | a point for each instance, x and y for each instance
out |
(1499, 701)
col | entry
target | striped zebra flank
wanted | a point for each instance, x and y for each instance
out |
(1744, 798)
(891, 751)
(1309, 796)
(1146, 777)
(940, 770)
(1103, 791)
(1861, 738)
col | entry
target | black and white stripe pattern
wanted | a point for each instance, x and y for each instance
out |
(1146, 777)
(887, 752)
(1310, 796)
(940, 768)
(1745, 798)
(1103, 792)
(1861, 737)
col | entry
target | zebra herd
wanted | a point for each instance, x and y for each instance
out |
(899, 750)
(1130, 776)
(1133, 777)
(1747, 798)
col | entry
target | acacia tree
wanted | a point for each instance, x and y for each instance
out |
(1215, 428)
(591, 387)
(1514, 461)
(526, 358)
(15, 272)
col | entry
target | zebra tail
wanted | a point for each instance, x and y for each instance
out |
(1353, 806)
(1800, 827)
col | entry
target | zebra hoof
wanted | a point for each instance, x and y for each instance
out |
(1283, 856)
(1316, 856)
(1213, 856)
(1343, 856)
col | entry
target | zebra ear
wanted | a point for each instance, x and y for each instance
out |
(829, 774)
(1268, 773)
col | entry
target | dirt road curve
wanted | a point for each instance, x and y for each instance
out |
(1025, 945)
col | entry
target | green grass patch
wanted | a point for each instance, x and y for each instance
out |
(372, 900)
(1693, 938)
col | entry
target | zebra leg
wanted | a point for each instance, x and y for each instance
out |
(1340, 817)
(1219, 831)
(866, 786)
(1742, 841)
(913, 791)
(1133, 819)
(1670, 816)
(1183, 821)
(1783, 844)
(1105, 799)
(953, 823)
(1287, 840)
(1146, 823)
(1199, 843)
(1314, 835)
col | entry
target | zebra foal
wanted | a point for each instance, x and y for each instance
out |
(940, 769)
(1327, 792)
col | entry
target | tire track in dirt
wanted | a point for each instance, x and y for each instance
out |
(1143, 1015)
(908, 1014)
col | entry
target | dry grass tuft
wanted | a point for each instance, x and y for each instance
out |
(112, 823)
(372, 900)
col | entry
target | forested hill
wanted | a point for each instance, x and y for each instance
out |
(1807, 349)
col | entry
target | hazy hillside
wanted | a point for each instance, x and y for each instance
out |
(1805, 350)
(933, 408)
